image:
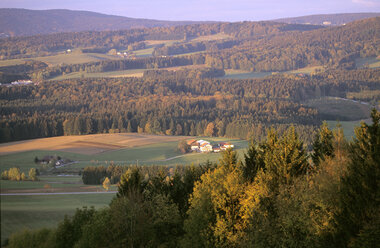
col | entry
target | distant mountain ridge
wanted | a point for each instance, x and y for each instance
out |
(24, 22)
(327, 19)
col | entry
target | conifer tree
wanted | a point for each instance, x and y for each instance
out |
(323, 144)
(253, 162)
(359, 196)
(130, 182)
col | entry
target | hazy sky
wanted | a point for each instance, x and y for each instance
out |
(218, 10)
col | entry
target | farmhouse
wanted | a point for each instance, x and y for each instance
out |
(216, 148)
(205, 146)
(224, 146)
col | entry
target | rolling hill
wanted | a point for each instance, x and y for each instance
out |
(24, 22)
(328, 19)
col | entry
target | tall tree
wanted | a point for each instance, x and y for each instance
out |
(360, 191)
(323, 144)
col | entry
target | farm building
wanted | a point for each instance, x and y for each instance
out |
(205, 146)
(224, 146)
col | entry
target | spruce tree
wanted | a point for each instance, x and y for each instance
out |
(323, 144)
(360, 191)
(252, 162)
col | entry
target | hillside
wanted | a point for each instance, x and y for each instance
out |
(24, 22)
(329, 19)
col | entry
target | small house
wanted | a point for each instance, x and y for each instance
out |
(205, 147)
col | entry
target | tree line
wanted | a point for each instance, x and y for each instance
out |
(173, 106)
(275, 196)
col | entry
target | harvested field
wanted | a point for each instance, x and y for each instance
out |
(87, 144)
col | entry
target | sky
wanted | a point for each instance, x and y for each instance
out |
(203, 10)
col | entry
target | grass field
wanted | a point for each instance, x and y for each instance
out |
(331, 108)
(347, 126)
(147, 52)
(104, 149)
(20, 212)
(151, 45)
(70, 58)
(306, 70)
(88, 144)
(219, 36)
(109, 74)
(371, 62)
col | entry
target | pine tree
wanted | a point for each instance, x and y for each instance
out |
(360, 190)
(253, 162)
(130, 182)
(323, 144)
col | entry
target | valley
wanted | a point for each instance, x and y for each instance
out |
(104, 114)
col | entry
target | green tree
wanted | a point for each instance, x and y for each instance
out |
(41, 238)
(131, 182)
(252, 162)
(215, 213)
(323, 144)
(70, 230)
(360, 190)
(210, 129)
(98, 231)
(33, 174)
(183, 147)
(14, 174)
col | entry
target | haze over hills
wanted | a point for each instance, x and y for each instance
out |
(24, 22)
(328, 19)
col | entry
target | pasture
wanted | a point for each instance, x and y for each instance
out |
(213, 37)
(75, 57)
(109, 74)
(87, 144)
(104, 149)
(242, 74)
(333, 108)
(38, 211)
(306, 70)
(347, 126)
(371, 62)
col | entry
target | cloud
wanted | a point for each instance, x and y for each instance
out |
(367, 3)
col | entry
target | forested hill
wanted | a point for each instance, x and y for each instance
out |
(328, 19)
(22, 22)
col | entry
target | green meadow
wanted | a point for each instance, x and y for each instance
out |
(371, 62)
(74, 57)
(38, 211)
(109, 74)
(164, 153)
(334, 109)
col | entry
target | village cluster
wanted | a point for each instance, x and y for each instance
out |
(205, 146)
